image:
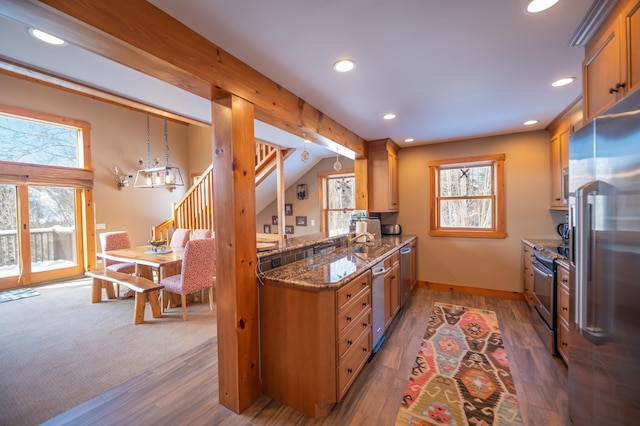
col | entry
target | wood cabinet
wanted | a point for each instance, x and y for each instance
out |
(562, 306)
(527, 274)
(383, 176)
(561, 129)
(611, 69)
(391, 288)
(314, 342)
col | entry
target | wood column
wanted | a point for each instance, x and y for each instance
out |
(235, 232)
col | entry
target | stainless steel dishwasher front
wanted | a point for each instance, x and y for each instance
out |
(377, 304)
(405, 274)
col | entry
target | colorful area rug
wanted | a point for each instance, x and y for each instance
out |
(461, 374)
(16, 294)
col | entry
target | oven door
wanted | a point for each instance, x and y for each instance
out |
(543, 291)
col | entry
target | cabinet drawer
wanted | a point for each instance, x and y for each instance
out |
(391, 260)
(354, 361)
(353, 310)
(351, 290)
(563, 340)
(563, 276)
(361, 324)
(563, 303)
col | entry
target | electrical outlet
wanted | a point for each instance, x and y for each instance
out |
(101, 226)
(276, 262)
(313, 222)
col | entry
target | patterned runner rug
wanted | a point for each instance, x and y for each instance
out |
(461, 374)
(20, 293)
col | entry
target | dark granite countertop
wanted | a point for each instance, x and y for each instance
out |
(334, 269)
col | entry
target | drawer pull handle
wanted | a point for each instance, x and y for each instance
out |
(564, 308)
(348, 295)
(349, 370)
(348, 318)
(365, 325)
(364, 283)
(349, 342)
(365, 349)
(565, 344)
(364, 304)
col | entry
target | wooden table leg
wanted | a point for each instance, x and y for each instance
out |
(153, 296)
(96, 291)
(138, 312)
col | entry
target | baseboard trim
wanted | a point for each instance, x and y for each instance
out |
(512, 295)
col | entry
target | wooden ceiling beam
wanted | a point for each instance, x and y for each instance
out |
(138, 35)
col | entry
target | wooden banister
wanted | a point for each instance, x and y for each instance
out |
(195, 210)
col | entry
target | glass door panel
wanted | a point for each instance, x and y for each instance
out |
(52, 223)
(9, 247)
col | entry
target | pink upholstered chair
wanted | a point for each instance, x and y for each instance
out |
(179, 237)
(197, 273)
(113, 241)
(198, 234)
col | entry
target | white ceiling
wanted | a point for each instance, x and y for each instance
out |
(449, 69)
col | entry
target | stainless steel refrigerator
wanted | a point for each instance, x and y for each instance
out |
(604, 214)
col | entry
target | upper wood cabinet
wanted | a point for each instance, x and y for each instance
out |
(561, 129)
(383, 176)
(611, 69)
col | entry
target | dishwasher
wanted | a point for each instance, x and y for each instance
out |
(377, 305)
(405, 274)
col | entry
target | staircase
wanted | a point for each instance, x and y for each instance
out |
(196, 211)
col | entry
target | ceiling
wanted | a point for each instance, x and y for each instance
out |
(449, 70)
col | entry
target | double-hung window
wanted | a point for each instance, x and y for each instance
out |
(467, 197)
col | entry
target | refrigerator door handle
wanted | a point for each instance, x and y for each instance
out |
(585, 261)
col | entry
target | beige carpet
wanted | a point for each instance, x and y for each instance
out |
(59, 349)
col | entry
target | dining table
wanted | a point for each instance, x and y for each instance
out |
(163, 261)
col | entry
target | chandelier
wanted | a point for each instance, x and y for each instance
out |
(154, 175)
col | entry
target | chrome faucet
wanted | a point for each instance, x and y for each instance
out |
(366, 235)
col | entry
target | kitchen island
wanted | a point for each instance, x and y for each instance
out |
(315, 322)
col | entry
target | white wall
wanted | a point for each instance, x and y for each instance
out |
(310, 207)
(118, 137)
(477, 262)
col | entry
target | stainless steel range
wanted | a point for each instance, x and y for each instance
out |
(544, 294)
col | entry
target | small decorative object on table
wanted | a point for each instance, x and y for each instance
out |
(157, 243)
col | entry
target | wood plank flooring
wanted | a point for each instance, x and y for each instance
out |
(185, 390)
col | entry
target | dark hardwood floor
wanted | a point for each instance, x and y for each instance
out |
(185, 390)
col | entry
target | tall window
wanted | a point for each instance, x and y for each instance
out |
(338, 193)
(467, 197)
(44, 168)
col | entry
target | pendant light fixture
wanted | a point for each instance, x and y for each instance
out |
(337, 166)
(304, 155)
(155, 176)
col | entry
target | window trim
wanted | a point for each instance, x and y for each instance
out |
(323, 178)
(499, 212)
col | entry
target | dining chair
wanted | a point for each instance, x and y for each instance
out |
(200, 233)
(113, 241)
(197, 273)
(179, 237)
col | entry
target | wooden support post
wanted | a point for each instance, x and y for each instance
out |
(235, 230)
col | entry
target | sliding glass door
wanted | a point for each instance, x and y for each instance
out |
(38, 235)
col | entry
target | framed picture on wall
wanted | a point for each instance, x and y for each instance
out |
(266, 229)
(274, 220)
(301, 220)
(288, 229)
(288, 210)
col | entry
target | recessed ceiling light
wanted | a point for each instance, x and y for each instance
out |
(409, 140)
(46, 37)
(530, 122)
(563, 81)
(535, 6)
(389, 116)
(344, 65)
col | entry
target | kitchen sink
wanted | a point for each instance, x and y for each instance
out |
(359, 249)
